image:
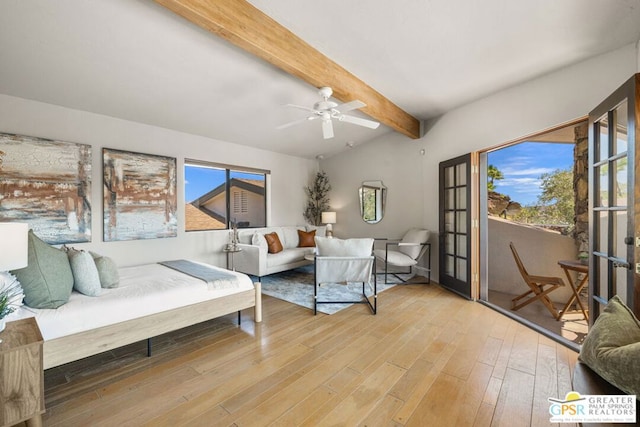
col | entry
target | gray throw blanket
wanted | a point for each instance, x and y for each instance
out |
(215, 279)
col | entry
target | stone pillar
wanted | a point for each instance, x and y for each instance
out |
(581, 186)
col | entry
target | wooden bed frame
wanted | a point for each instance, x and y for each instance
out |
(83, 344)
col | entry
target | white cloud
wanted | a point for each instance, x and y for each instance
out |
(531, 171)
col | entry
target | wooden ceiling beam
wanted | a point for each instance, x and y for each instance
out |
(247, 27)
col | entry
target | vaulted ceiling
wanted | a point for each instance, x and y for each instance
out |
(139, 61)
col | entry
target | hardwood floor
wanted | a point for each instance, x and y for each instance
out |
(428, 358)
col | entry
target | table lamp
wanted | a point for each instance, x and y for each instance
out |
(329, 218)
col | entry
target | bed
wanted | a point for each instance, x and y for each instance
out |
(150, 300)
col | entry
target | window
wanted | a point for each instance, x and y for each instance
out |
(218, 196)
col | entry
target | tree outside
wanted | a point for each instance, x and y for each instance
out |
(493, 174)
(555, 204)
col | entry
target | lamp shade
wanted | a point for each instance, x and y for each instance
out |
(328, 217)
(14, 243)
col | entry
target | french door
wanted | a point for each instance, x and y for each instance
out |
(456, 215)
(614, 234)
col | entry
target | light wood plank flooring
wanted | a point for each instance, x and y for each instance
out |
(429, 358)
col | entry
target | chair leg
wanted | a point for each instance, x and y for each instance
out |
(539, 294)
(315, 291)
(386, 266)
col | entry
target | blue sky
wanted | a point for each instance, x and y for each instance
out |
(201, 180)
(522, 164)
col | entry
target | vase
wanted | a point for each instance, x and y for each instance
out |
(3, 323)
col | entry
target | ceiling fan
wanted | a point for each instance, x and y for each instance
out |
(329, 110)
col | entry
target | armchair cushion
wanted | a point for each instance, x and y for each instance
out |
(306, 238)
(344, 248)
(395, 258)
(273, 243)
(417, 236)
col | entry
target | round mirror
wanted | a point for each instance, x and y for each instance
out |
(373, 197)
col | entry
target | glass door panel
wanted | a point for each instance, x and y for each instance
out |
(455, 225)
(613, 228)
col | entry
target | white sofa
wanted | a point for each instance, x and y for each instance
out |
(255, 259)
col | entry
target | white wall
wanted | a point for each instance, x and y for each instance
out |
(396, 162)
(522, 110)
(289, 175)
(539, 251)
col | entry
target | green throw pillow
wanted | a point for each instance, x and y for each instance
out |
(612, 347)
(85, 274)
(107, 270)
(47, 281)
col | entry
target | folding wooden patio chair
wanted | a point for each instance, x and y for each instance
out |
(539, 288)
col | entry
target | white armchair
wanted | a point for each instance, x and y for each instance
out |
(406, 252)
(344, 261)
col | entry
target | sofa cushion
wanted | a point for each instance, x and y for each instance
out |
(287, 256)
(321, 230)
(273, 243)
(306, 239)
(47, 281)
(259, 240)
(86, 279)
(414, 235)
(289, 237)
(612, 347)
(245, 237)
(345, 248)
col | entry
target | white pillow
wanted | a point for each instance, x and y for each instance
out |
(321, 230)
(415, 235)
(259, 240)
(291, 239)
(86, 279)
(346, 248)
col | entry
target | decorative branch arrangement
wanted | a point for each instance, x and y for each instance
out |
(11, 294)
(318, 200)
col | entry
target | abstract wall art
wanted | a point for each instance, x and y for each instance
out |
(139, 196)
(47, 184)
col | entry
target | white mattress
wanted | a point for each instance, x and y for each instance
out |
(143, 290)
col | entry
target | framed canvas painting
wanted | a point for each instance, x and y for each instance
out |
(47, 184)
(139, 196)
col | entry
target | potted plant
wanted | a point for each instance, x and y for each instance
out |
(11, 296)
(318, 199)
(583, 257)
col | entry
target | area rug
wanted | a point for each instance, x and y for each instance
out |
(296, 286)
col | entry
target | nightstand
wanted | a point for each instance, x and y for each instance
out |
(21, 374)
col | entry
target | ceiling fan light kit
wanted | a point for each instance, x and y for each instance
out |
(328, 110)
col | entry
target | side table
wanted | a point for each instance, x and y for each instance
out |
(576, 286)
(21, 374)
(231, 250)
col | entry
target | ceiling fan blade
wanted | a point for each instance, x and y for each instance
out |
(358, 121)
(300, 107)
(295, 122)
(327, 129)
(352, 105)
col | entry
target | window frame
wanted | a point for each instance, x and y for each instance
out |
(228, 170)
